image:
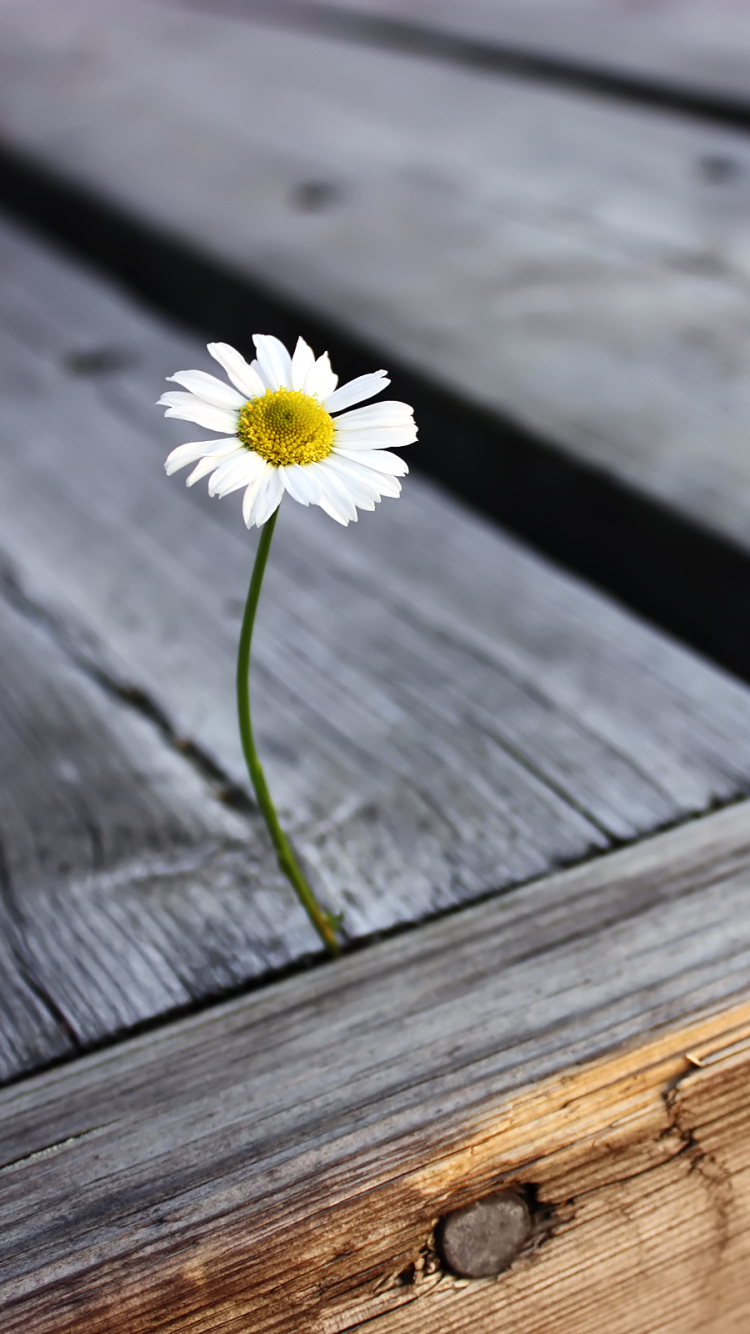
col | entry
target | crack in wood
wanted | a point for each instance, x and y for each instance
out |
(49, 1150)
(83, 655)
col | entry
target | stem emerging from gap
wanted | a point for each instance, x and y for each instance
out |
(323, 922)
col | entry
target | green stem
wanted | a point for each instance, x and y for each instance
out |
(322, 921)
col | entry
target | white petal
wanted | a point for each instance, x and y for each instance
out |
(177, 398)
(251, 495)
(205, 466)
(203, 414)
(299, 481)
(375, 437)
(388, 413)
(320, 380)
(239, 470)
(332, 505)
(330, 502)
(209, 389)
(269, 497)
(242, 376)
(335, 498)
(378, 459)
(362, 488)
(196, 449)
(363, 387)
(257, 369)
(274, 361)
(380, 483)
(303, 359)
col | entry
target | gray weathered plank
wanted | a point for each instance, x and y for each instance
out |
(129, 890)
(442, 713)
(687, 45)
(275, 1162)
(31, 1035)
(581, 265)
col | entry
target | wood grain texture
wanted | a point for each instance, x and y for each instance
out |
(579, 265)
(31, 1035)
(442, 713)
(249, 1168)
(115, 853)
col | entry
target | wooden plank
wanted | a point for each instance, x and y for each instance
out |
(579, 265)
(684, 47)
(279, 1163)
(31, 1034)
(442, 713)
(115, 854)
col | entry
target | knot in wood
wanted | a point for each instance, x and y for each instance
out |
(485, 1237)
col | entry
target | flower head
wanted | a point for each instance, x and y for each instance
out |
(278, 432)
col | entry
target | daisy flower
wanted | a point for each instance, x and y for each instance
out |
(285, 426)
(278, 433)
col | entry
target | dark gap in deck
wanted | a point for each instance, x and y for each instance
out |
(688, 580)
(413, 38)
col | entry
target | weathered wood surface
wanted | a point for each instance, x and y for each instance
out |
(441, 712)
(580, 265)
(114, 852)
(278, 1163)
(684, 46)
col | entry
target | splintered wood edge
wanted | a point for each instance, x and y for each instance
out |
(638, 1161)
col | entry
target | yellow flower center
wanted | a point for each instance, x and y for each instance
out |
(285, 427)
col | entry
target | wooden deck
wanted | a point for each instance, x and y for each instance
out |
(537, 796)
